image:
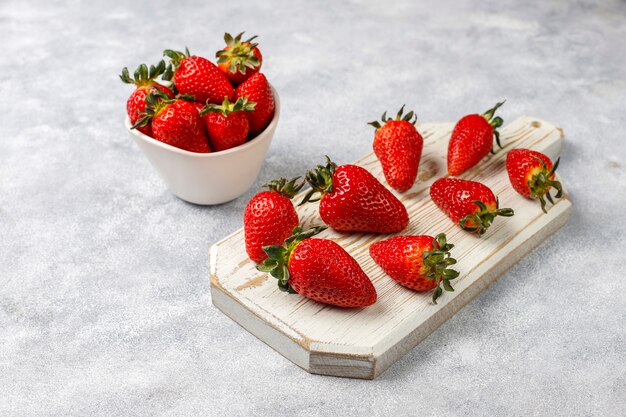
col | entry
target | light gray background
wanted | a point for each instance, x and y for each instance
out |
(104, 295)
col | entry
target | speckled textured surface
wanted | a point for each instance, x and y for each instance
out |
(104, 295)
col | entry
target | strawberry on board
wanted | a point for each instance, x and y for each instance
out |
(470, 204)
(353, 200)
(532, 175)
(318, 269)
(472, 140)
(398, 145)
(144, 80)
(197, 76)
(270, 217)
(227, 124)
(417, 262)
(258, 90)
(175, 122)
(239, 60)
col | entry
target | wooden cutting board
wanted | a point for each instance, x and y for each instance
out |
(362, 343)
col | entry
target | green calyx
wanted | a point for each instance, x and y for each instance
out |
(480, 221)
(186, 97)
(284, 187)
(540, 183)
(436, 263)
(176, 58)
(277, 262)
(239, 55)
(226, 108)
(321, 181)
(155, 102)
(495, 122)
(410, 117)
(143, 75)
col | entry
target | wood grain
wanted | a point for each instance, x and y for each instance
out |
(362, 343)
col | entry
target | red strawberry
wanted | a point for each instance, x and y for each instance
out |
(532, 175)
(227, 124)
(258, 90)
(144, 80)
(197, 76)
(269, 217)
(470, 204)
(318, 269)
(353, 200)
(199, 107)
(239, 60)
(472, 139)
(398, 146)
(417, 262)
(175, 122)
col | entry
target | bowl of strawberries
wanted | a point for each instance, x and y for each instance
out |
(205, 127)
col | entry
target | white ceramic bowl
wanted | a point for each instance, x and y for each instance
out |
(208, 178)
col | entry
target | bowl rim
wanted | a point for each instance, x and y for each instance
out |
(252, 142)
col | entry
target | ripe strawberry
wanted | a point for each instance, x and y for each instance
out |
(199, 107)
(353, 200)
(269, 217)
(258, 90)
(417, 262)
(175, 122)
(197, 76)
(239, 60)
(144, 80)
(472, 139)
(470, 204)
(318, 269)
(531, 174)
(227, 124)
(398, 146)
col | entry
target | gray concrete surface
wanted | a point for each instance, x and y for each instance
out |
(104, 297)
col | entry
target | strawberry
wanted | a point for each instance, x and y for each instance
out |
(470, 204)
(398, 146)
(197, 76)
(175, 122)
(143, 79)
(417, 262)
(269, 217)
(318, 269)
(353, 200)
(199, 107)
(239, 60)
(532, 175)
(472, 139)
(227, 124)
(258, 90)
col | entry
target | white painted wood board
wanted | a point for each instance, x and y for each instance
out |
(362, 343)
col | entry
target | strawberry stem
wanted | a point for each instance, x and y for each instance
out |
(495, 122)
(321, 181)
(240, 54)
(540, 184)
(436, 263)
(143, 76)
(226, 108)
(479, 221)
(285, 188)
(175, 59)
(407, 118)
(277, 261)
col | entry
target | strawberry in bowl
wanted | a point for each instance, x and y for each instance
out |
(206, 139)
